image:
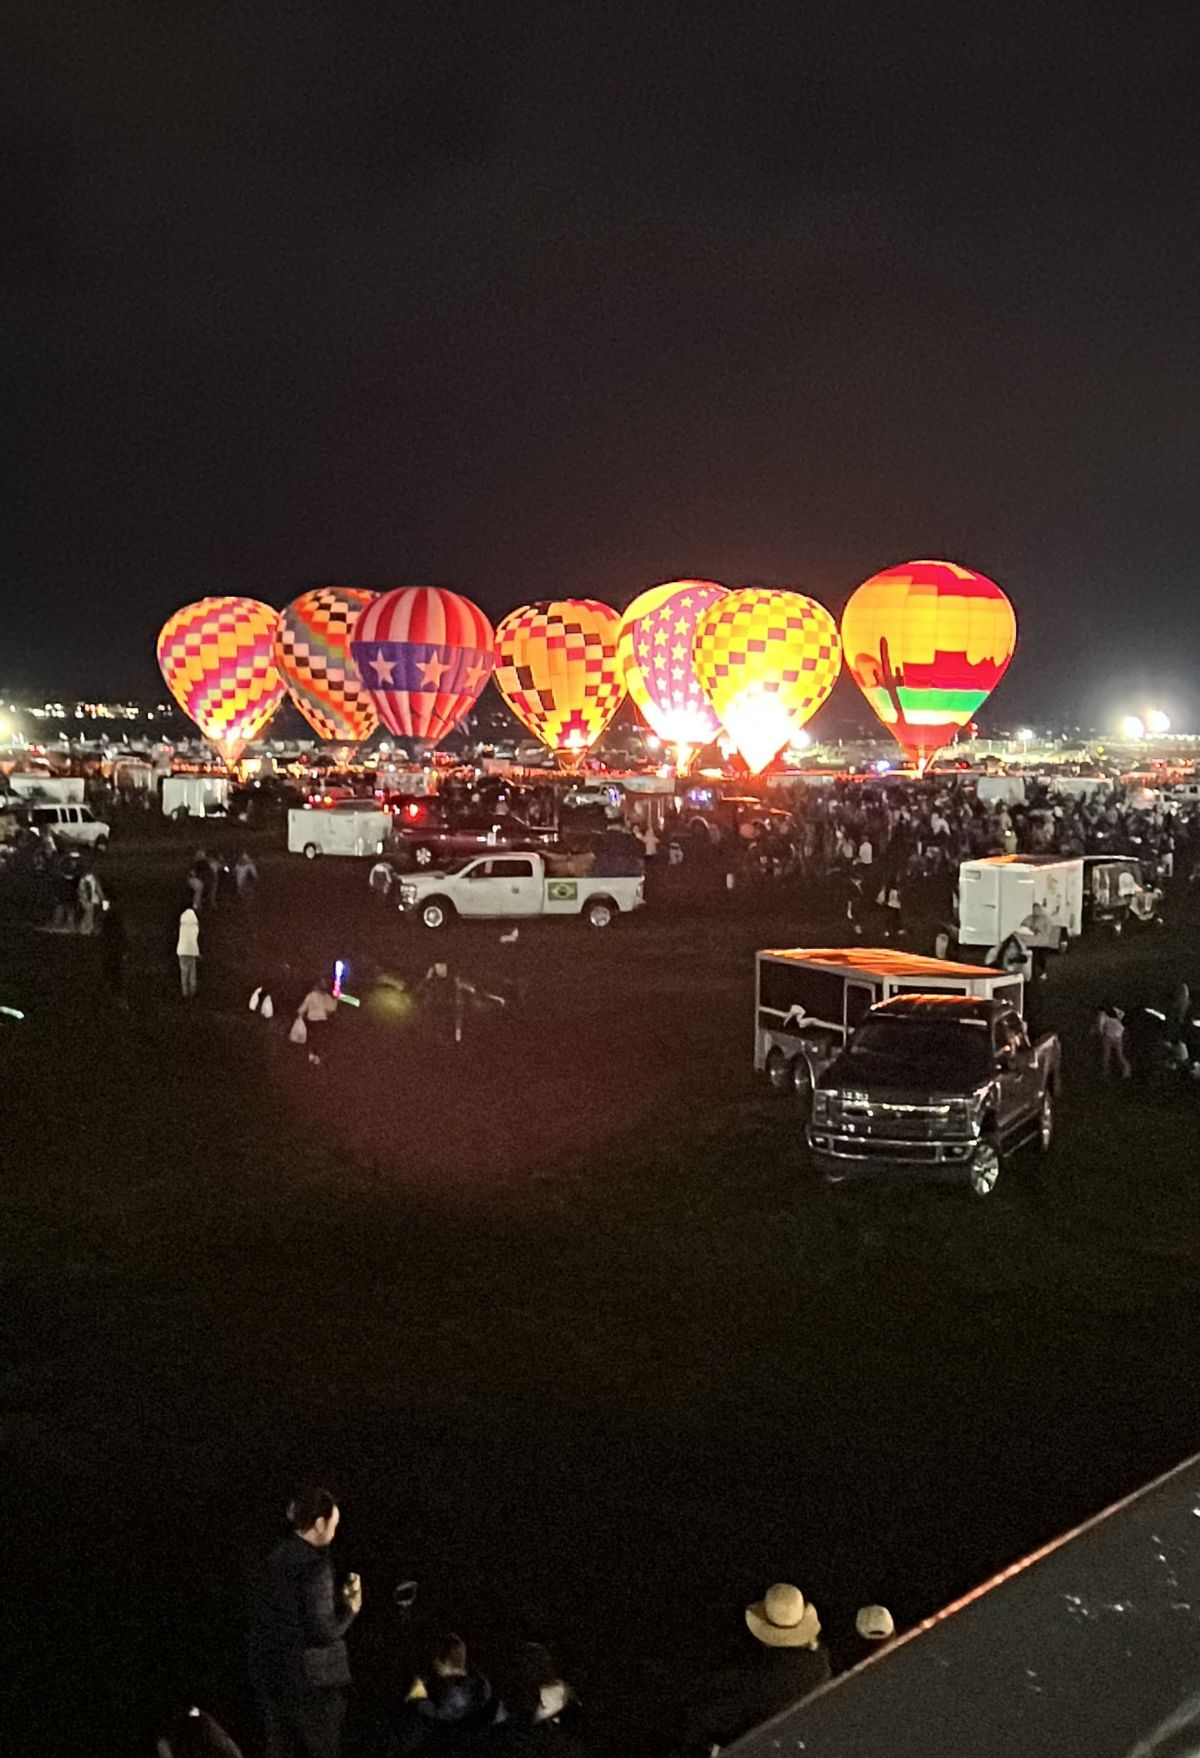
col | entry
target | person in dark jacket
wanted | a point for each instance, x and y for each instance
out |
(298, 1650)
(787, 1663)
(448, 1701)
(538, 1714)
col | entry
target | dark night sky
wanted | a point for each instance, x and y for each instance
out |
(569, 299)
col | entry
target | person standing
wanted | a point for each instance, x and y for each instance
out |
(187, 950)
(89, 896)
(1113, 1056)
(298, 1657)
(246, 875)
(380, 881)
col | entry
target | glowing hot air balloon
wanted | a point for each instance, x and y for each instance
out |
(767, 660)
(424, 654)
(655, 653)
(927, 643)
(217, 657)
(312, 652)
(556, 667)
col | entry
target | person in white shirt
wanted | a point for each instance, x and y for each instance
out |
(187, 950)
(866, 853)
(317, 1009)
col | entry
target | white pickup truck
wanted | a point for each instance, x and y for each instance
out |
(511, 886)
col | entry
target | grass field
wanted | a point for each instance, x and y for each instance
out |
(560, 1311)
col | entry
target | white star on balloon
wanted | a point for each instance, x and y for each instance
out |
(383, 669)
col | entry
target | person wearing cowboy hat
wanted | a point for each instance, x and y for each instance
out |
(787, 1663)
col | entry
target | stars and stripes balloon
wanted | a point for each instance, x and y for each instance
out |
(927, 643)
(557, 668)
(217, 657)
(423, 654)
(655, 653)
(312, 652)
(766, 660)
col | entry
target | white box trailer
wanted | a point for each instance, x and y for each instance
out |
(999, 895)
(328, 830)
(194, 796)
(808, 1000)
(56, 790)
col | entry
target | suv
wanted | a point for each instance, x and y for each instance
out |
(935, 1086)
(70, 824)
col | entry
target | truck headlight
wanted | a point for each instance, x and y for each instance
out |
(822, 1107)
(408, 894)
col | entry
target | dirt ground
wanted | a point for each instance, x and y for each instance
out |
(560, 1311)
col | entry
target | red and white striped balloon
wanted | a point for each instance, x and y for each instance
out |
(423, 654)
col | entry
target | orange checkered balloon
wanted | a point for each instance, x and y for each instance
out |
(217, 657)
(312, 652)
(766, 660)
(556, 667)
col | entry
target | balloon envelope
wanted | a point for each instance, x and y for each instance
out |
(927, 643)
(767, 660)
(312, 652)
(556, 667)
(423, 654)
(217, 657)
(655, 654)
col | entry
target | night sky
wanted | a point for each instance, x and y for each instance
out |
(568, 299)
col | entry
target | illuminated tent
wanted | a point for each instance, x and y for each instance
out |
(927, 643)
(557, 668)
(424, 655)
(217, 657)
(655, 654)
(766, 660)
(312, 652)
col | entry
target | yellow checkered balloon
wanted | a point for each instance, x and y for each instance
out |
(766, 660)
(217, 657)
(556, 667)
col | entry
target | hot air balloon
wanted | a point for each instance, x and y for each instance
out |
(423, 654)
(927, 643)
(556, 667)
(217, 657)
(655, 654)
(766, 660)
(312, 652)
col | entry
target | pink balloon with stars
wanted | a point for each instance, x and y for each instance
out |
(655, 656)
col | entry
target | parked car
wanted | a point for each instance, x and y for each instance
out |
(70, 824)
(935, 1087)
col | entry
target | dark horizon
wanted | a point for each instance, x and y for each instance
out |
(549, 304)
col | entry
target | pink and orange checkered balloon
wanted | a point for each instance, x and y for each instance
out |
(217, 657)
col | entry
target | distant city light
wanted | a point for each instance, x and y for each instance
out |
(1133, 727)
(1157, 722)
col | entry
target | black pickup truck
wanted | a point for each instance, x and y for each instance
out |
(935, 1087)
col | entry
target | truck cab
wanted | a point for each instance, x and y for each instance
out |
(808, 1001)
(935, 1087)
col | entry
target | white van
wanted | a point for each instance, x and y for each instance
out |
(338, 830)
(70, 824)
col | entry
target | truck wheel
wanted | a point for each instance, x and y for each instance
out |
(435, 912)
(1046, 1121)
(599, 912)
(802, 1086)
(311, 851)
(779, 1071)
(985, 1169)
(100, 844)
(423, 856)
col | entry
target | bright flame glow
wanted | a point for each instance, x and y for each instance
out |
(1133, 727)
(1156, 721)
(759, 724)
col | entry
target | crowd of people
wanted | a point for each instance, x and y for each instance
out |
(302, 1608)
